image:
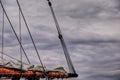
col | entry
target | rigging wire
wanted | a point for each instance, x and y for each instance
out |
(30, 35)
(3, 37)
(9, 56)
(20, 36)
(69, 62)
(3, 19)
(14, 31)
(3, 59)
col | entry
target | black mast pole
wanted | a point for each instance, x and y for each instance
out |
(68, 59)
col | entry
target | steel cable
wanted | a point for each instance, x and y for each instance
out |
(30, 35)
(3, 42)
(14, 31)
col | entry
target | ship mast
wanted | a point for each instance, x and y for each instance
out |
(60, 36)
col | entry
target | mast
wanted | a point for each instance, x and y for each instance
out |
(60, 36)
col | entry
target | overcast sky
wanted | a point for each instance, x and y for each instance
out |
(91, 29)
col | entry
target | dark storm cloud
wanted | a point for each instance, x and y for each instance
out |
(118, 4)
(93, 42)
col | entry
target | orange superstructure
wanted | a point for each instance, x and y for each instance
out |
(7, 72)
(58, 75)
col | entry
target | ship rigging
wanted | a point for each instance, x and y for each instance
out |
(16, 71)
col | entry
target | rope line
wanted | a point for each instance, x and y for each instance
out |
(3, 36)
(20, 42)
(3, 42)
(8, 56)
(30, 35)
(14, 31)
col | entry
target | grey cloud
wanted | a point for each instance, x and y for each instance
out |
(118, 6)
(87, 12)
(90, 10)
(108, 76)
(102, 58)
(92, 42)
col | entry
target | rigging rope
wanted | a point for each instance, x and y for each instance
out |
(3, 37)
(69, 62)
(20, 41)
(30, 35)
(3, 43)
(14, 31)
(9, 56)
